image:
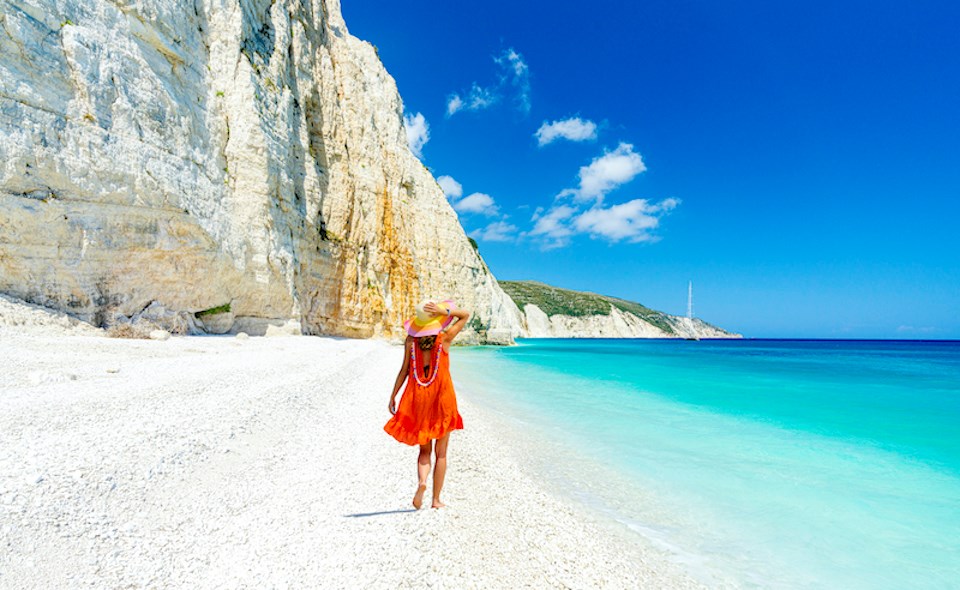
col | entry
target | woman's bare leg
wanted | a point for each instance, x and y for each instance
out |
(440, 470)
(423, 470)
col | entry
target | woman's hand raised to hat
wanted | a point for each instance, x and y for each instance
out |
(435, 309)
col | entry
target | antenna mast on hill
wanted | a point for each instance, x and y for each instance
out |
(690, 300)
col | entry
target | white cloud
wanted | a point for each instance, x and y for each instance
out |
(477, 203)
(498, 231)
(418, 133)
(477, 99)
(513, 62)
(454, 104)
(605, 173)
(481, 98)
(474, 203)
(553, 227)
(574, 129)
(451, 188)
(513, 72)
(632, 221)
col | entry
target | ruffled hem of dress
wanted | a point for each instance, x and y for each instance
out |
(420, 437)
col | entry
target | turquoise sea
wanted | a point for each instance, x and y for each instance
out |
(778, 464)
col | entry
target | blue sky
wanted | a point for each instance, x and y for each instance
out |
(799, 162)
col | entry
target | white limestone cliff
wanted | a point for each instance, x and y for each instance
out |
(162, 158)
(616, 324)
(695, 328)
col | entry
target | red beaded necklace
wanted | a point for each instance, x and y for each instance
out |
(418, 363)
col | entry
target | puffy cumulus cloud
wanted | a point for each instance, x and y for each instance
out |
(573, 129)
(513, 74)
(584, 213)
(480, 203)
(632, 221)
(605, 173)
(498, 231)
(418, 133)
(451, 188)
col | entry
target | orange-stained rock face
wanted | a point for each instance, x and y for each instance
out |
(251, 154)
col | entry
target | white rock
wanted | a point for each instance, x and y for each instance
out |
(22, 317)
(218, 323)
(159, 335)
(290, 328)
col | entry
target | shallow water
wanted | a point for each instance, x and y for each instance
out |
(788, 464)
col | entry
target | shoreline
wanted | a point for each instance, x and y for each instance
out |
(564, 471)
(210, 461)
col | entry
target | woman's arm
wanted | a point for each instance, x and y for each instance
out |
(453, 329)
(401, 376)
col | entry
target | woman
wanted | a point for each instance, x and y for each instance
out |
(428, 408)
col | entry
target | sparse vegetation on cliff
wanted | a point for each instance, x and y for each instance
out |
(556, 301)
(214, 310)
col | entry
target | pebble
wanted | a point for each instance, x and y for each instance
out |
(273, 514)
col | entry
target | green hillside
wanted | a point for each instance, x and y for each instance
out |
(556, 301)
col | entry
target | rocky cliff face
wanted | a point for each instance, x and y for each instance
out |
(616, 324)
(551, 312)
(162, 158)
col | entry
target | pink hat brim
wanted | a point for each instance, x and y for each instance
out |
(431, 328)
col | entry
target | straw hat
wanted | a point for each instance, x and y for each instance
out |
(424, 323)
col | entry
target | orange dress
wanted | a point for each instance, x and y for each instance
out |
(428, 408)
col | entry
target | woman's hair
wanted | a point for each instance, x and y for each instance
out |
(426, 342)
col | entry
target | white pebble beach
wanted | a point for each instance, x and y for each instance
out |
(218, 462)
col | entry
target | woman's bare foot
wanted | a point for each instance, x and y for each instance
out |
(418, 497)
(438, 504)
